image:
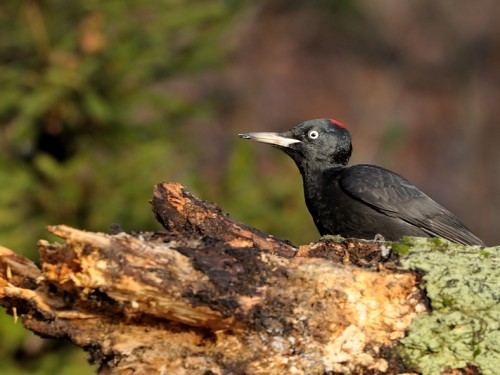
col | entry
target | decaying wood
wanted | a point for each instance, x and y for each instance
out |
(178, 211)
(211, 295)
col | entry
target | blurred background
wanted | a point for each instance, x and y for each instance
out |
(100, 100)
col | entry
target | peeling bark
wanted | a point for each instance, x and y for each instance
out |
(213, 295)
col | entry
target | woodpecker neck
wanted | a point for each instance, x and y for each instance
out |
(313, 180)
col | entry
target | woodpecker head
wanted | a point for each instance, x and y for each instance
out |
(316, 144)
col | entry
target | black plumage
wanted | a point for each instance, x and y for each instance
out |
(362, 200)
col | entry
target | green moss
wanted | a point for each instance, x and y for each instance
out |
(447, 302)
(438, 242)
(484, 253)
(463, 286)
(334, 238)
(400, 248)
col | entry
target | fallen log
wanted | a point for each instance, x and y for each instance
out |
(211, 295)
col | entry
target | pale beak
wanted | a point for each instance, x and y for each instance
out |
(271, 138)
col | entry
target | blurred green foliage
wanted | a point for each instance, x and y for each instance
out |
(86, 124)
(84, 130)
(263, 188)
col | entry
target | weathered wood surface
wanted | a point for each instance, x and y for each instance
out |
(211, 295)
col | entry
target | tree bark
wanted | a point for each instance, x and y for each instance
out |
(211, 295)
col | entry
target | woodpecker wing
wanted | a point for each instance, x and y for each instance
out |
(393, 195)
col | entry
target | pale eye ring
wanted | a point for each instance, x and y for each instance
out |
(313, 134)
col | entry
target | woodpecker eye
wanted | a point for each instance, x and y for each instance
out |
(313, 134)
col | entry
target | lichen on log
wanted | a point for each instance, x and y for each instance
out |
(462, 284)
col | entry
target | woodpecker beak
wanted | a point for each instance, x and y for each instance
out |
(272, 138)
